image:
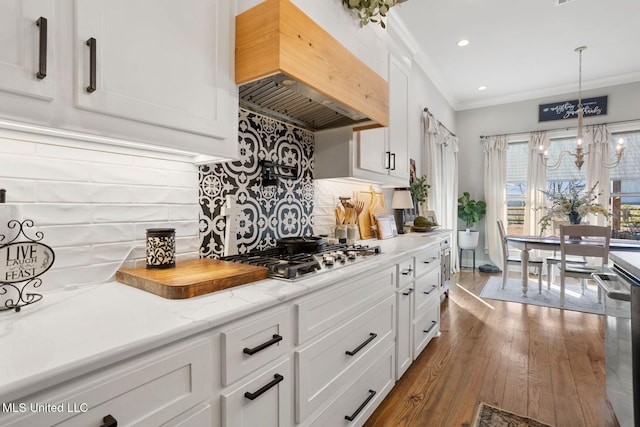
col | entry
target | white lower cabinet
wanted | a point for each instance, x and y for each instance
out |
(404, 345)
(254, 342)
(264, 399)
(355, 402)
(326, 364)
(426, 327)
(200, 416)
(147, 391)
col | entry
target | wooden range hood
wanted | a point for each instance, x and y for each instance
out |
(287, 65)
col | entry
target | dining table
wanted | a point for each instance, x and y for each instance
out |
(552, 243)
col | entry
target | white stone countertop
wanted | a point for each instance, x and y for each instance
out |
(80, 329)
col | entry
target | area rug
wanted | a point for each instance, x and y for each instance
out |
(574, 300)
(490, 416)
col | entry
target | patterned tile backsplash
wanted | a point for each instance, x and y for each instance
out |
(259, 214)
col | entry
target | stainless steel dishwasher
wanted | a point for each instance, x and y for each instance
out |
(617, 344)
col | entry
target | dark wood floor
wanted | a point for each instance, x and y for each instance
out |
(541, 362)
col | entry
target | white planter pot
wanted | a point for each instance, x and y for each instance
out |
(468, 239)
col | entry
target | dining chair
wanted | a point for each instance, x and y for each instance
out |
(555, 258)
(515, 260)
(591, 241)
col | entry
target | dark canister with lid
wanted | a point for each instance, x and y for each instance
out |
(161, 248)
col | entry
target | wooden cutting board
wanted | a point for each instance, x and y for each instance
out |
(191, 278)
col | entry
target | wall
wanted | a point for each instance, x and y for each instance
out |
(262, 214)
(94, 204)
(523, 117)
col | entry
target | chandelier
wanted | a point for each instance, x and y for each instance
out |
(579, 153)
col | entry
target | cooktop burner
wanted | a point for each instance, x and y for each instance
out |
(287, 266)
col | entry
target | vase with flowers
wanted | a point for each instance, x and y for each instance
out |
(571, 201)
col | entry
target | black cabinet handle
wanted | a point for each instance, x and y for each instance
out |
(109, 421)
(433, 325)
(394, 161)
(408, 292)
(361, 407)
(254, 350)
(276, 379)
(372, 336)
(92, 65)
(433, 288)
(42, 53)
(388, 162)
(430, 260)
(407, 271)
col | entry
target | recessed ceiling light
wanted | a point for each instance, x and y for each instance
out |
(482, 88)
(463, 43)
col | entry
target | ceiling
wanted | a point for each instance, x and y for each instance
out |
(522, 49)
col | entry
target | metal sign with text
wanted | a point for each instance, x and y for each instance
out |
(569, 109)
(22, 262)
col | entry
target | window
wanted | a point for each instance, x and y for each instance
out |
(516, 185)
(625, 188)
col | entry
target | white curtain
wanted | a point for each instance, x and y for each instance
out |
(440, 161)
(495, 188)
(536, 181)
(597, 145)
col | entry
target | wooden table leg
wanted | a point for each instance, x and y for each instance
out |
(524, 258)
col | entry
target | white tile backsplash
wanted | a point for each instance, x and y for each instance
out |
(94, 205)
(327, 193)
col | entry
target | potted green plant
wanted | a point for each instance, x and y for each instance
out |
(470, 211)
(370, 10)
(419, 192)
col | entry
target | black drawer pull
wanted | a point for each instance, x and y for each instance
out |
(433, 325)
(433, 288)
(407, 271)
(42, 53)
(109, 421)
(430, 260)
(276, 379)
(254, 350)
(361, 407)
(372, 336)
(408, 292)
(92, 65)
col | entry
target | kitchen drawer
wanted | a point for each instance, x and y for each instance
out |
(406, 270)
(149, 391)
(331, 308)
(426, 292)
(270, 405)
(253, 342)
(197, 417)
(327, 364)
(428, 260)
(360, 398)
(426, 327)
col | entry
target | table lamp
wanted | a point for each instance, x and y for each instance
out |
(401, 200)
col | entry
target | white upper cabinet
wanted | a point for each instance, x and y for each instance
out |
(398, 137)
(158, 72)
(26, 47)
(379, 154)
(157, 62)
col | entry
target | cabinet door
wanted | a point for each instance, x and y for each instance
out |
(404, 346)
(398, 118)
(20, 47)
(373, 155)
(264, 400)
(158, 62)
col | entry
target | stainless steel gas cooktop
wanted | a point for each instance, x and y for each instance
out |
(293, 266)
